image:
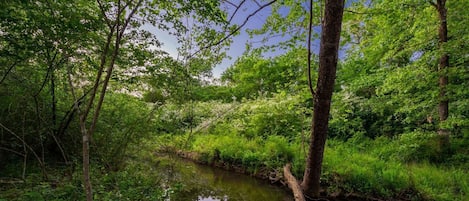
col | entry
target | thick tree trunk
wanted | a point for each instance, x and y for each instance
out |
(443, 77)
(328, 56)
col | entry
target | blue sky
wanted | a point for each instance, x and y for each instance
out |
(238, 45)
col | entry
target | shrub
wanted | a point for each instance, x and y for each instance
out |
(124, 121)
(417, 146)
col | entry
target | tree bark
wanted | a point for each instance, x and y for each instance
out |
(86, 164)
(328, 56)
(293, 183)
(116, 29)
(443, 109)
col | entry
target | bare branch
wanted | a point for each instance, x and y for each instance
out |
(49, 71)
(236, 10)
(293, 183)
(257, 3)
(13, 151)
(231, 3)
(14, 181)
(235, 30)
(310, 30)
(29, 147)
(368, 13)
(9, 70)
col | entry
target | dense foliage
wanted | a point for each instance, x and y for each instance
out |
(384, 124)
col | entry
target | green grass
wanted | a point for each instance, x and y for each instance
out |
(368, 167)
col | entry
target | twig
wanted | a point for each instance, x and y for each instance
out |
(231, 3)
(236, 10)
(16, 181)
(13, 151)
(257, 3)
(8, 71)
(29, 147)
(235, 30)
(310, 30)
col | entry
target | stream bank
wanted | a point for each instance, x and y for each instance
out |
(271, 178)
(185, 179)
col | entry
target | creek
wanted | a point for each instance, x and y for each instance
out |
(184, 180)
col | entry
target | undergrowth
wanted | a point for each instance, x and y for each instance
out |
(407, 166)
(135, 181)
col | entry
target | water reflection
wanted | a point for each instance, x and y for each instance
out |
(193, 182)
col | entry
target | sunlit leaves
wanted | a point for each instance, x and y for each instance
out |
(253, 75)
(393, 59)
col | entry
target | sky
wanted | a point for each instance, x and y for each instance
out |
(238, 44)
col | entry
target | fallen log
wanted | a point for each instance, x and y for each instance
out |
(293, 183)
(11, 181)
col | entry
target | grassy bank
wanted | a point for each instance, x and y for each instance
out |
(265, 134)
(361, 169)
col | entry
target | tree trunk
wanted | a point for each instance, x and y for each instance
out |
(328, 56)
(54, 101)
(86, 165)
(443, 77)
(116, 29)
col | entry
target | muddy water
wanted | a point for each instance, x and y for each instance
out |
(188, 181)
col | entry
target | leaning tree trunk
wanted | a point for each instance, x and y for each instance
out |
(328, 56)
(443, 77)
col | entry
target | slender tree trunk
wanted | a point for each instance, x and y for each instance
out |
(54, 101)
(443, 76)
(328, 56)
(117, 29)
(86, 163)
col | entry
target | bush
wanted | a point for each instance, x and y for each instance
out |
(124, 121)
(251, 153)
(418, 146)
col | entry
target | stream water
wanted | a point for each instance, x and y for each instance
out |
(187, 181)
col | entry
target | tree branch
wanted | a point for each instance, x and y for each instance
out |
(234, 31)
(231, 3)
(236, 10)
(8, 71)
(13, 151)
(257, 3)
(293, 183)
(120, 33)
(356, 12)
(29, 147)
(101, 7)
(310, 30)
